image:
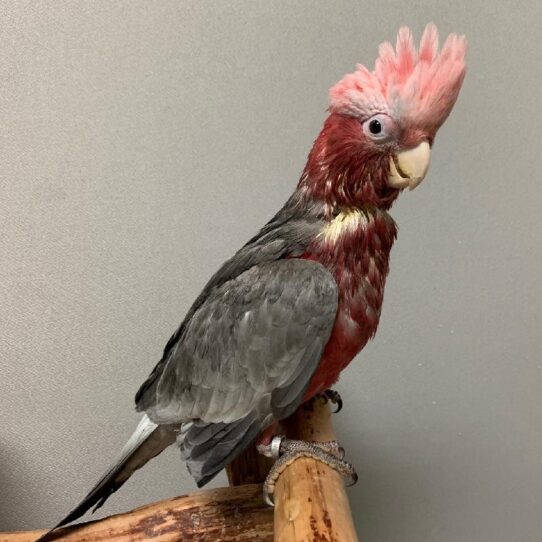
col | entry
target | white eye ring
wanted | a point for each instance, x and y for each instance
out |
(379, 128)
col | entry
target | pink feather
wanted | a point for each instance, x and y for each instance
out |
(417, 88)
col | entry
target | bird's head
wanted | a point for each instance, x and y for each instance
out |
(377, 139)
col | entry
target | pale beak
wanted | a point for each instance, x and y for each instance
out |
(408, 168)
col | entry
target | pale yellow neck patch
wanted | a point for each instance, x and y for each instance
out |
(346, 222)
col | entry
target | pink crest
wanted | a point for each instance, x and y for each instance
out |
(416, 87)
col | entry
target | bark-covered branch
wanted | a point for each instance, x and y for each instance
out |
(229, 514)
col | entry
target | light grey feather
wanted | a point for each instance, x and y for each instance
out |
(146, 442)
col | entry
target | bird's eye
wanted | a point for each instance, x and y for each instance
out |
(375, 127)
(380, 128)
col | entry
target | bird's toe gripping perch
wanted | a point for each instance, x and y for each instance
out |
(335, 398)
(287, 450)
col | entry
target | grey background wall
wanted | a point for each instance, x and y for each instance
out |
(143, 142)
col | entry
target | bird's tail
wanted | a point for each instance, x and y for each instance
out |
(147, 441)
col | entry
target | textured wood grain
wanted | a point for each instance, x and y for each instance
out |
(231, 514)
(310, 500)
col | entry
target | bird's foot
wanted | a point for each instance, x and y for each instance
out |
(287, 451)
(334, 397)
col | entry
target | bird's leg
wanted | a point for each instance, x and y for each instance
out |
(333, 397)
(287, 450)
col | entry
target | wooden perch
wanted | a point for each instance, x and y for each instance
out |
(310, 503)
(310, 499)
(228, 514)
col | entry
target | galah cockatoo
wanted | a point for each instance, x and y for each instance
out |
(280, 320)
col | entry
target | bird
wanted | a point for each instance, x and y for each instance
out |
(280, 320)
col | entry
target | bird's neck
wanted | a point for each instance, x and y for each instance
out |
(343, 172)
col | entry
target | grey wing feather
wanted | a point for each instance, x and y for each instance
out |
(287, 234)
(209, 447)
(250, 348)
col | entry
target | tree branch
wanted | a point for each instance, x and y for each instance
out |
(229, 514)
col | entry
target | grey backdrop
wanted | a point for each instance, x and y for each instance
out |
(143, 142)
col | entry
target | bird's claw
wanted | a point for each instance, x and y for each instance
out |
(286, 451)
(335, 398)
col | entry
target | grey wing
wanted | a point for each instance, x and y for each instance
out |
(250, 349)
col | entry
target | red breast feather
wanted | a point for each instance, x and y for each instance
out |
(355, 247)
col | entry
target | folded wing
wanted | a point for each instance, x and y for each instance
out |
(244, 359)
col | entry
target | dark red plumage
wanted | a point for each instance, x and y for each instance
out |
(346, 172)
(360, 265)
(345, 169)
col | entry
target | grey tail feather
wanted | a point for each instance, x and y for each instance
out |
(208, 448)
(147, 441)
